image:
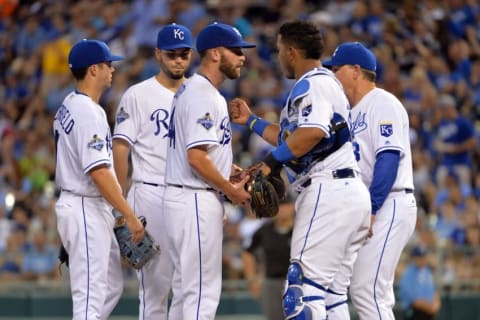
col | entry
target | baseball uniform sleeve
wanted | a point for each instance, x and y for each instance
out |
(314, 108)
(92, 142)
(202, 123)
(127, 118)
(388, 121)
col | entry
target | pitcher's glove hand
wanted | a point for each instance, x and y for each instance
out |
(135, 255)
(264, 197)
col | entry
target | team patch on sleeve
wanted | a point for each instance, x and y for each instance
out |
(386, 129)
(122, 115)
(206, 121)
(96, 143)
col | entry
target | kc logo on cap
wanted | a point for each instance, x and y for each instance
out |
(174, 36)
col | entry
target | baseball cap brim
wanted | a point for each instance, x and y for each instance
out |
(176, 46)
(328, 63)
(243, 44)
(114, 58)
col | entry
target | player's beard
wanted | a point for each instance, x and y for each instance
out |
(176, 75)
(228, 69)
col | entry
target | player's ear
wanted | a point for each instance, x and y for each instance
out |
(158, 54)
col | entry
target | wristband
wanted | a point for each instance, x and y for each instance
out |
(278, 157)
(257, 124)
(282, 153)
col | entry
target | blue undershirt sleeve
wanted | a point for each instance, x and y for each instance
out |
(384, 175)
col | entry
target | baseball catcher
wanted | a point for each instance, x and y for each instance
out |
(134, 255)
(266, 191)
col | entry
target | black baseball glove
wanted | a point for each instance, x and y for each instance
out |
(264, 196)
(135, 255)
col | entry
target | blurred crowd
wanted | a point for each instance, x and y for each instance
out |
(428, 55)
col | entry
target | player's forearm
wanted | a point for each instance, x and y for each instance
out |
(121, 151)
(249, 265)
(267, 130)
(203, 165)
(303, 140)
(108, 187)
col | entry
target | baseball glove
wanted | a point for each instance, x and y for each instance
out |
(134, 255)
(264, 197)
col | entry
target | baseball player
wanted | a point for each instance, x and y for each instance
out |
(89, 189)
(199, 162)
(141, 126)
(313, 143)
(379, 124)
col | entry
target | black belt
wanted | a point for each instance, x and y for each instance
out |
(336, 174)
(151, 184)
(187, 187)
(408, 190)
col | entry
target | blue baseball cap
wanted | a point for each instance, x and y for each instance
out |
(89, 52)
(353, 53)
(174, 36)
(221, 35)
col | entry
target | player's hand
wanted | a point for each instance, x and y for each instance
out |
(238, 194)
(239, 111)
(237, 173)
(370, 230)
(135, 227)
(255, 286)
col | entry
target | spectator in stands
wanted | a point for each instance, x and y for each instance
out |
(40, 260)
(418, 294)
(455, 142)
(271, 245)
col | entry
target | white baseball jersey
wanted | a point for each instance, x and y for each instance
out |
(192, 210)
(202, 114)
(307, 106)
(333, 209)
(383, 112)
(83, 141)
(84, 218)
(142, 120)
(379, 122)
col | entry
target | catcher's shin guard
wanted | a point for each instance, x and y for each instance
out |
(296, 304)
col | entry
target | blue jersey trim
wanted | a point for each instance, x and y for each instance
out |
(311, 220)
(142, 275)
(199, 256)
(332, 306)
(201, 142)
(96, 164)
(88, 258)
(300, 90)
(123, 137)
(380, 261)
(389, 148)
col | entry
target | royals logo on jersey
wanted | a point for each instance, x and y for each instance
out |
(386, 129)
(206, 121)
(96, 143)
(160, 118)
(358, 124)
(227, 131)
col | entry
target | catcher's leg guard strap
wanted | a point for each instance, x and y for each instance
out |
(296, 305)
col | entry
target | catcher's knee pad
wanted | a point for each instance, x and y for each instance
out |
(297, 305)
